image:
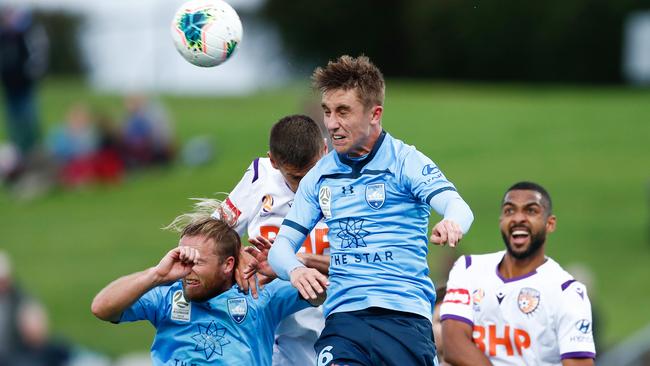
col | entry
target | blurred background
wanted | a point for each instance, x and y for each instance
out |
(106, 132)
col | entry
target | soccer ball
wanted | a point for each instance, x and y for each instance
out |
(206, 32)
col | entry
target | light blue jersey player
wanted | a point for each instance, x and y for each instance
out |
(202, 319)
(375, 194)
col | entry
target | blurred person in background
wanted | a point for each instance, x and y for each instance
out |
(147, 133)
(23, 61)
(24, 333)
(73, 144)
(517, 306)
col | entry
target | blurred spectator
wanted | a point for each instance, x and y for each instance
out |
(147, 133)
(38, 349)
(109, 165)
(24, 337)
(23, 60)
(74, 144)
(11, 300)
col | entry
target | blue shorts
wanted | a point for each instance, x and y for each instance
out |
(376, 336)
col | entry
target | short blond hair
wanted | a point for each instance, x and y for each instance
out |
(347, 73)
(200, 222)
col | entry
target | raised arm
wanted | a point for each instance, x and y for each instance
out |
(457, 219)
(112, 300)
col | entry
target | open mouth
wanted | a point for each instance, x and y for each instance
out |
(190, 282)
(519, 236)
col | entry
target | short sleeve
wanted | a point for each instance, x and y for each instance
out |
(457, 303)
(574, 323)
(147, 307)
(284, 300)
(423, 178)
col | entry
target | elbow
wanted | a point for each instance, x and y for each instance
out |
(100, 310)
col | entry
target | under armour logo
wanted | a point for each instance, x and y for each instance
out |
(347, 190)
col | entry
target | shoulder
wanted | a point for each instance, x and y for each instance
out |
(260, 170)
(560, 280)
(479, 263)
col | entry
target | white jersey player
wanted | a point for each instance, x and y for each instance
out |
(517, 307)
(257, 206)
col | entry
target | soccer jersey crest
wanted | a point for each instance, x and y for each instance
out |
(238, 308)
(528, 300)
(375, 195)
(267, 204)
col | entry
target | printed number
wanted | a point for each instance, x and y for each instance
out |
(325, 356)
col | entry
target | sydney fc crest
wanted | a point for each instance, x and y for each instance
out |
(375, 195)
(238, 308)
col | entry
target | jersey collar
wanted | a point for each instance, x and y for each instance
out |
(357, 165)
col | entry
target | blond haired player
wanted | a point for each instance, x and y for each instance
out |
(258, 205)
(518, 306)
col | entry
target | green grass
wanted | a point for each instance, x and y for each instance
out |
(589, 146)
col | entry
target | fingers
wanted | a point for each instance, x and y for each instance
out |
(189, 255)
(241, 280)
(252, 286)
(261, 243)
(309, 282)
(446, 231)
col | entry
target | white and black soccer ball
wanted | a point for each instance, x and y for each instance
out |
(206, 32)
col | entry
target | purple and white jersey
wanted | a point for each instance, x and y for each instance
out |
(537, 319)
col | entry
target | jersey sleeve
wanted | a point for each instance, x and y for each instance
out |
(574, 327)
(284, 300)
(423, 177)
(239, 206)
(457, 303)
(147, 307)
(426, 182)
(301, 219)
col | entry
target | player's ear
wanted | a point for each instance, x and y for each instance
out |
(273, 162)
(325, 150)
(551, 223)
(377, 112)
(229, 265)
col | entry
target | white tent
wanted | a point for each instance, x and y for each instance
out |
(127, 47)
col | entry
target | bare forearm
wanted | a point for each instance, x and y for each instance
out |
(117, 296)
(319, 262)
(465, 355)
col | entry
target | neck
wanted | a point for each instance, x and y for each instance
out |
(511, 267)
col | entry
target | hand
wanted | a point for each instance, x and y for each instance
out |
(176, 264)
(310, 283)
(245, 283)
(260, 253)
(446, 231)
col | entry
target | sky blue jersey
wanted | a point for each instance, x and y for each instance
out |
(377, 210)
(230, 329)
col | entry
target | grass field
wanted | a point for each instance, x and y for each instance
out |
(589, 146)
